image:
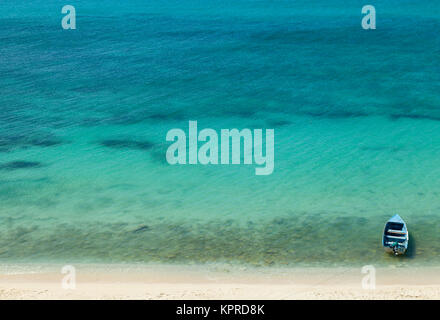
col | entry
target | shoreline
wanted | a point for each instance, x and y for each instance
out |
(104, 281)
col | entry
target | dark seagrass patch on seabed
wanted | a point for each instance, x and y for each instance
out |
(335, 114)
(171, 116)
(277, 123)
(20, 164)
(11, 142)
(414, 117)
(126, 144)
(141, 228)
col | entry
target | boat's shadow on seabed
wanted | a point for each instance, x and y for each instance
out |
(411, 252)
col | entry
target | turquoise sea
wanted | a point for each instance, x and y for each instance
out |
(84, 114)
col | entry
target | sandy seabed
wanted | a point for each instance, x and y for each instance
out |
(32, 281)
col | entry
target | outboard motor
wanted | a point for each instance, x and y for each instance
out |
(397, 249)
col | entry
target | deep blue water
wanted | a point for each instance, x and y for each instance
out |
(84, 114)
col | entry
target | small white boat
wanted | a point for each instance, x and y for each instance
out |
(395, 236)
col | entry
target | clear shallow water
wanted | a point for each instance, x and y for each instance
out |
(84, 116)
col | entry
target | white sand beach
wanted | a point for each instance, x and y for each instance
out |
(216, 282)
